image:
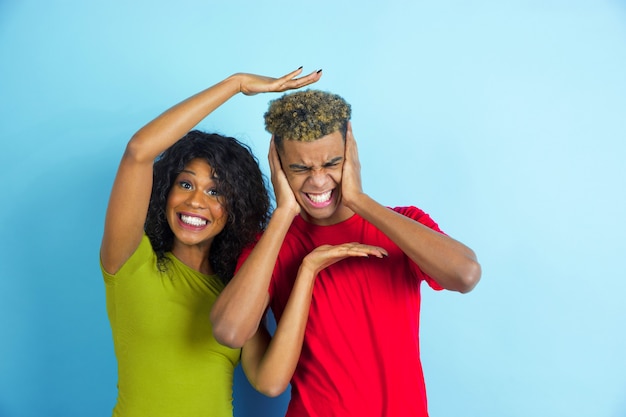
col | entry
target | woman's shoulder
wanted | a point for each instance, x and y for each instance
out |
(143, 254)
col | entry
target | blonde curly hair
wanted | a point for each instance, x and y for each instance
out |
(307, 115)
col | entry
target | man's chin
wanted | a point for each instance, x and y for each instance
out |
(314, 215)
(322, 217)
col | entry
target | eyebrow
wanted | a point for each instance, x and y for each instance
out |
(331, 162)
(214, 175)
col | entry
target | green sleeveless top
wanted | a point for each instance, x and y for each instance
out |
(169, 363)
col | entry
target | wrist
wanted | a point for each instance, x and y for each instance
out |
(287, 210)
(236, 80)
(356, 201)
(282, 216)
(307, 269)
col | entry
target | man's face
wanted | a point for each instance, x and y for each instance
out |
(314, 170)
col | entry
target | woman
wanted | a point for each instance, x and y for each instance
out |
(173, 231)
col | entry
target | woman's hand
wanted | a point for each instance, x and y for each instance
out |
(252, 84)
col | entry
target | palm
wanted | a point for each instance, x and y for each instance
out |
(327, 255)
(351, 175)
(252, 84)
(282, 190)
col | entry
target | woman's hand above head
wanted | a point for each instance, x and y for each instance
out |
(130, 196)
(251, 84)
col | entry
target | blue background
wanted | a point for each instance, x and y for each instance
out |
(506, 121)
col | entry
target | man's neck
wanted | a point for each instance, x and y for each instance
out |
(342, 214)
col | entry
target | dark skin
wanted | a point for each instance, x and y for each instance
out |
(321, 180)
(196, 215)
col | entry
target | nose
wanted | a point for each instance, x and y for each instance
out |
(196, 199)
(318, 177)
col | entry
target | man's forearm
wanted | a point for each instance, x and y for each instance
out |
(239, 309)
(449, 262)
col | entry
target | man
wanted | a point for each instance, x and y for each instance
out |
(360, 354)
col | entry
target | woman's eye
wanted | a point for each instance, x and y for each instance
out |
(213, 191)
(185, 185)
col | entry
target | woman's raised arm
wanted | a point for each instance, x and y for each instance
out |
(130, 195)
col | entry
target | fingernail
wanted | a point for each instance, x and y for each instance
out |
(318, 71)
(300, 67)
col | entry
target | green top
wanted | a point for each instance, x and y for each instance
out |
(169, 363)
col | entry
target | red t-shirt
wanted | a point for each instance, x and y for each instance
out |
(361, 354)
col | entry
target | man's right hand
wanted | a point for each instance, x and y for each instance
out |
(282, 191)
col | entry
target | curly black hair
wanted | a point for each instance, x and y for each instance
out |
(306, 116)
(239, 181)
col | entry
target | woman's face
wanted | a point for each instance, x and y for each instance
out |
(194, 207)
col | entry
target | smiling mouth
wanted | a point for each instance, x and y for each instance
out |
(193, 221)
(320, 198)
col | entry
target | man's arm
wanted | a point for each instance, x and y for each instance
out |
(240, 307)
(269, 362)
(449, 262)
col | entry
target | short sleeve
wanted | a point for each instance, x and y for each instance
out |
(423, 218)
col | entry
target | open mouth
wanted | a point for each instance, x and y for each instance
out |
(192, 220)
(321, 198)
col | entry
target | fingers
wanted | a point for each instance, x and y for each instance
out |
(283, 193)
(289, 81)
(274, 161)
(352, 249)
(360, 249)
(251, 84)
(350, 141)
(327, 255)
(352, 152)
(272, 156)
(309, 79)
(351, 186)
(291, 75)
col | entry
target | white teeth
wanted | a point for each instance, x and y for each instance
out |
(320, 198)
(193, 221)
